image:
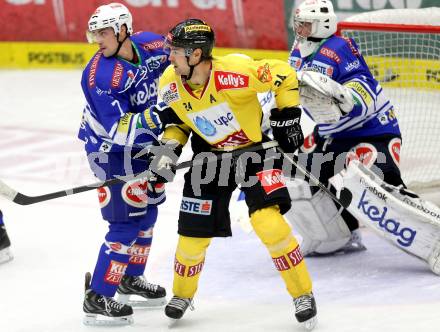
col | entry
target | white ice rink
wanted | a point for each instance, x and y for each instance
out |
(56, 242)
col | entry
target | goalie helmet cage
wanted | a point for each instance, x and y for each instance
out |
(405, 59)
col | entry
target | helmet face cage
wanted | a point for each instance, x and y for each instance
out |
(113, 15)
(320, 14)
(299, 26)
(190, 35)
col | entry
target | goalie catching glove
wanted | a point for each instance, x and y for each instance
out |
(325, 99)
(286, 128)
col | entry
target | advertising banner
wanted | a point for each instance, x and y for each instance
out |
(237, 23)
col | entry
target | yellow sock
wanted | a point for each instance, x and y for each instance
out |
(188, 264)
(277, 236)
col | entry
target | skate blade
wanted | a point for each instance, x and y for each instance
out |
(172, 322)
(143, 302)
(339, 252)
(100, 320)
(5, 256)
(310, 324)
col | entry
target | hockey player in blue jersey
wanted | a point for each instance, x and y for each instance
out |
(356, 122)
(120, 84)
(5, 243)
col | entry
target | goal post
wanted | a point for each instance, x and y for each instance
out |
(402, 49)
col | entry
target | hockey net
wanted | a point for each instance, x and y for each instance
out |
(402, 49)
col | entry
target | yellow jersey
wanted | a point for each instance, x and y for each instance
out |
(226, 112)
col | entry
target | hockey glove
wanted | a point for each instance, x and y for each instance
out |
(163, 160)
(158, 116)
(286, 128)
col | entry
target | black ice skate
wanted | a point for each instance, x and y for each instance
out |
(305, 310)
(5, 243)
(151, 295)
(177, 307)
(103, 310)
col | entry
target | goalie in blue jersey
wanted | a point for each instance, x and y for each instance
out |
(120, 84)
(354, 120)
(355, 145)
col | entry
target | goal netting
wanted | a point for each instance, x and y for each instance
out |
(402, 48)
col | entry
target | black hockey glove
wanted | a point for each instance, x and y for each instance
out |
(163, 160)
(286, 128)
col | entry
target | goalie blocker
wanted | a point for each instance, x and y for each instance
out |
(409, 223)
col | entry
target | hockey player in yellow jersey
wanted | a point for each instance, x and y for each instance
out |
(216, 100)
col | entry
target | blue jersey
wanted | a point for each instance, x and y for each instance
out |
(117, 92)
(340, 59)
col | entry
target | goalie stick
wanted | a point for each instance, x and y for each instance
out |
(22, 199)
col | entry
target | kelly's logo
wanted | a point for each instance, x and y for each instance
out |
(271, 180)
(228, 80)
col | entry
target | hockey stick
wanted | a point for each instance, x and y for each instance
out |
(23, 199)
(345, 195)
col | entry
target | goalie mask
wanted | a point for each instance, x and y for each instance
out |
(313, 21)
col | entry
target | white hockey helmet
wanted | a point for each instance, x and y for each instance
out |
(321, 15)
(113, 15)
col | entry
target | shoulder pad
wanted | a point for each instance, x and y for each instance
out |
(106, 73)
(331, 49)
(350, 43)
(148, 41)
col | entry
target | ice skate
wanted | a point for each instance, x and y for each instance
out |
(5, 244)
(305, 311)
(176, 308)
(104, 311)
(355, 243)
(150, 295)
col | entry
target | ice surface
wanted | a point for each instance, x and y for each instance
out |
(56, 242)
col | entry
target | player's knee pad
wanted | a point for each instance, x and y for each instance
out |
(192, 248)
(318, 221)
(270, 225)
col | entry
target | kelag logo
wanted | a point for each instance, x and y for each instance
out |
(405, 235)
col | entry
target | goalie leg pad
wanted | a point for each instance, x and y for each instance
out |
(409, 223)
(317, 220)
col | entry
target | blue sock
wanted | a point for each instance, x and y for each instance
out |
(141, 248)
